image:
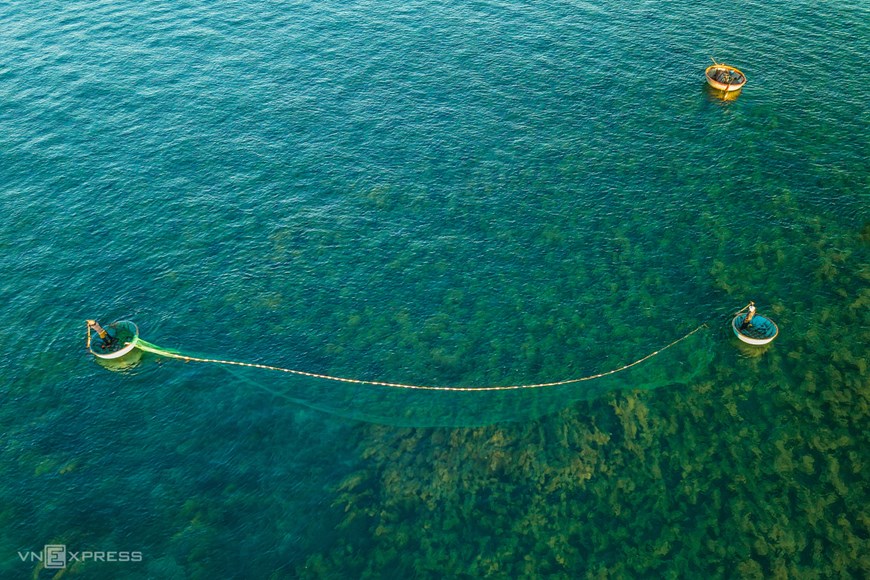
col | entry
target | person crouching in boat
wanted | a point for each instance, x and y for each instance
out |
(108, 340)
(747, 322)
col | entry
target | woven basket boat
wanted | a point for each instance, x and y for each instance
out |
(127, 335)
(725, 77)
(761, 330)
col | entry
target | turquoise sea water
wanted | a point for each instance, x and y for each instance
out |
(472, 193)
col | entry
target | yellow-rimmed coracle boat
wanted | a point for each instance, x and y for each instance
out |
(725, 77)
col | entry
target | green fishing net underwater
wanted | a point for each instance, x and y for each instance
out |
(535, 385)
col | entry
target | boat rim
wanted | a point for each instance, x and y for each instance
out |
(725, 66)
(728, 67)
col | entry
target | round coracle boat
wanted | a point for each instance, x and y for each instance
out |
(122, 338)
(761, 330)
(725, 77)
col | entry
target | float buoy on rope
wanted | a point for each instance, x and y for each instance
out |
(122, 337)
(147, 347)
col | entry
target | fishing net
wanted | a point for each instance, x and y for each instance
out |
(678, 362)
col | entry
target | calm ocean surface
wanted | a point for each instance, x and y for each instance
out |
(439, 193)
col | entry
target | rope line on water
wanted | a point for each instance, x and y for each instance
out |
(187, 358)
(147, 347)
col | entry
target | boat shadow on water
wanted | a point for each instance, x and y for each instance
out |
(124, 363)
(720, 96)
(750, 350)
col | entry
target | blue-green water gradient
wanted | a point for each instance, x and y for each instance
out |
(471, 193)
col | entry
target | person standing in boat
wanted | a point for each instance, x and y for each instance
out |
(747, 322)
(108, 340)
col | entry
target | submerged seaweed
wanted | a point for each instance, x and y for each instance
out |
(759, 477)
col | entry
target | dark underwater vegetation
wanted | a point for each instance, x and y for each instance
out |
(734, 476)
